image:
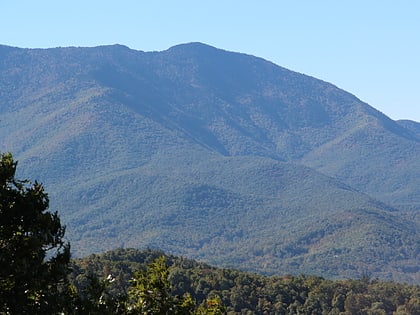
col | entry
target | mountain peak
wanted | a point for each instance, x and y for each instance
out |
(195, 49)
(192, 45)
(211, 153)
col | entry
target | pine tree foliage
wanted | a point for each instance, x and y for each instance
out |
(34, 258)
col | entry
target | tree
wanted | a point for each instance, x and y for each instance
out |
(94, 298)
(213, 306)
(150, 293)
(34, 259)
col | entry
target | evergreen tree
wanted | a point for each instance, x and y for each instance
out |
(34, 259)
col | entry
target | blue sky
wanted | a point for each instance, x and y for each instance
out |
(370, 48)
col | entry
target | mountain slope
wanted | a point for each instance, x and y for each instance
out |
(214, 155)
(390, 163)
(413, 126)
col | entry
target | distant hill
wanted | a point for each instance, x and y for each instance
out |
(214, 155)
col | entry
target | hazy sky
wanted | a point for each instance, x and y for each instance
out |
(370, 48)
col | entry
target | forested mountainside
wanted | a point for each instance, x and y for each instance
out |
(248, 293)
(413, 126)
(214, 155)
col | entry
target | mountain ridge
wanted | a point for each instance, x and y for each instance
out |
(214, 155)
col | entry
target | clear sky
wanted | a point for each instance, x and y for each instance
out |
(370, 48)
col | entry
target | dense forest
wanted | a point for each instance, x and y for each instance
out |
(249, 293)
(38, 277)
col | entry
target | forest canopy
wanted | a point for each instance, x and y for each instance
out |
(37, 275)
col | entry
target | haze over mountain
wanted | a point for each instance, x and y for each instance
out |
(214, 155)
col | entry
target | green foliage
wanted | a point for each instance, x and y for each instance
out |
(220, 291)
(150, 293)
(33, 256)
(93, 298)
(212, 306)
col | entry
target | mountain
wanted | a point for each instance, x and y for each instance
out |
(214, 155)
(413, 126)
